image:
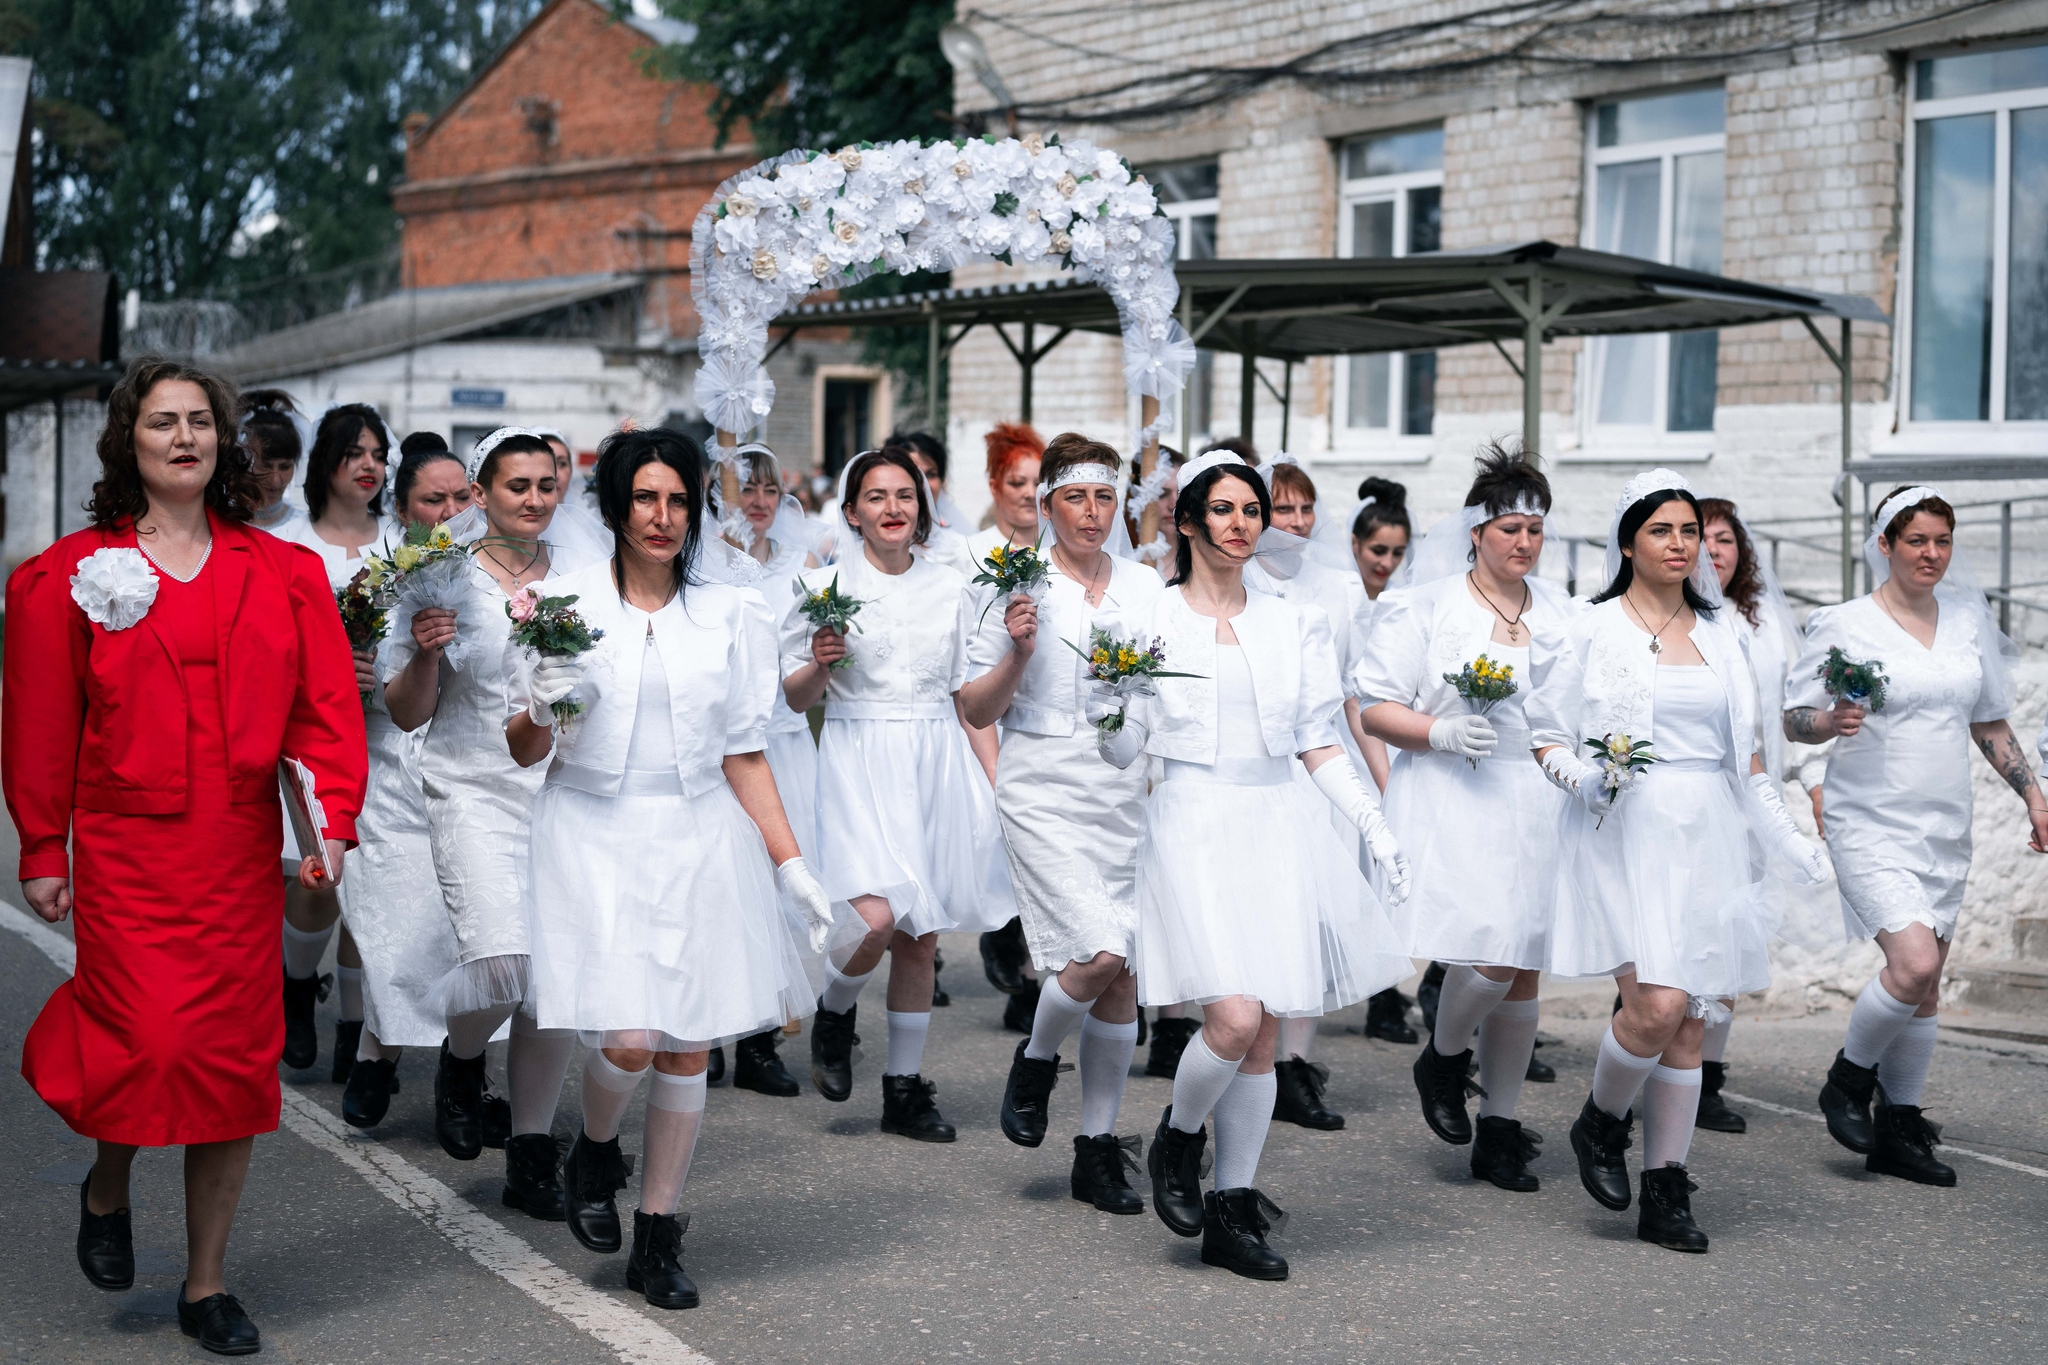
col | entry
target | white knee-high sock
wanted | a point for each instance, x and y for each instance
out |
(1507, 1039)
(1671, 1102)
(536, 1064)
(1243, 1114)
(467, 1033)
(368, 1049)
(842, 992)
(1902, 1071)
(1059, 1014)
(1467, 999)
(303, 951)
(907, 1033)
(1298, 1038)
(1618, 1075)
(1105, 1066)
(350, 982)
(1876, 1020)
(1199, 1082)
(675, 1111)
(1714, 1046)
(607, 1090)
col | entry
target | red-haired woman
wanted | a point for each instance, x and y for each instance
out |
(160, 663)
(1014, 452)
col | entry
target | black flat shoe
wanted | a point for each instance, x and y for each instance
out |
(1442, 1084)
(1665, 1217)
(714, 1069)
(591, 1178)
(1003, 956)
(367, 1097)
(533, 1179)
(1540, 1071)
(348, 1033)
(1027, 1097)
(106, 1244)
(655, 1269)
(1100, 1165)
(458, 1104)
(301, 1031)
(220, 1324)
(832, 1040)
(1428, 992)
(1386, 1017)
(1175, 1164)
(1298, 1096)
(1501, 1152)
(1234, 1230)
(1599, 1140)
(1169, 1040)
(908, 1111)
(1022, 1010)
(1845, 1100)
(1714, 1113)
(756, 1067)
(1905, 1147)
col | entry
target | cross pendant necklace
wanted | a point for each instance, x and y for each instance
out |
(1656, 644)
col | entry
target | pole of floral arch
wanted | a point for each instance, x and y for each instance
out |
(1148, 460)
(729, 479)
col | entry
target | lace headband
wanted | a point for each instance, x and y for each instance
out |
(1899, 502)
(1202, 464)
(1079, 473)
(1648, 482)
(492, 442)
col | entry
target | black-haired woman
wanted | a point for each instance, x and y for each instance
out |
(1898, 806)
(1248, 903)
(271, 437)
(947, 542)
(1476, 819)
(1655, 885)
(907, 827)
(1380, 532)
(654, 963)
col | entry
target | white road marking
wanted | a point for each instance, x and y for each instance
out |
(632, 1337)
(1946, 1146)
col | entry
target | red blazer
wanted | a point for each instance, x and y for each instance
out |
(92, 719)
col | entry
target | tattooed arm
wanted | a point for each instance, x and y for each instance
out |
(1812, 725)
(2001, 748)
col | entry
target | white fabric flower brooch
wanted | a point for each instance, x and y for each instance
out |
(114, 587)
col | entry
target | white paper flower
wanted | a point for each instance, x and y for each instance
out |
(114, 587)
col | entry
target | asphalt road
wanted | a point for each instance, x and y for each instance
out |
(815, 1238)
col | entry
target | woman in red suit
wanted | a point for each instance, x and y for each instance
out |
(158, 665)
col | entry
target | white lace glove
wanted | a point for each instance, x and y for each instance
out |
(1577, 779)
(1782, 837)
(1465, 736)
(799, 885)
(1338, 781)
(548, 680)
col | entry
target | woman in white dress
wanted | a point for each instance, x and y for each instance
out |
(272, 439)
(1248, 902)
(1477, 820)
(1655, 883)
(477, 801)
(1070, 824)
(907, 827)
(948, 541)
(1898, 805)
(654, 963)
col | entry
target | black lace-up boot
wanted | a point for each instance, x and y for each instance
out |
(1501, 1152)
(1175, 1164)
(1443, 1083)
(1386, 1017)
(1600, 1140)
(1905, 1146)
(1298, 1096)
(908, 1110)
(832, 1041)
(1665, 1217)
(367, 1096)
(459, 1104)
(348, 1034)
(594, 1173)
(655, 1269)
(1234, 1230)
(1169, 1040)
(1003, 957)
(1714, 1114)
(756, 1067)
(1100, 1167)
(1027, 1098)
(301, 1031)
(533, 1179)
(1845, 1100)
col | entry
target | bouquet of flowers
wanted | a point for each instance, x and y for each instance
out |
(1013, 570)
(365, 603)
(1484, 685)
(1125, 667)
(1844, 679)
(1621, 761)
(829, 609)
(547, 626)
(430, 570)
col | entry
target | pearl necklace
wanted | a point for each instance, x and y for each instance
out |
(178, 578)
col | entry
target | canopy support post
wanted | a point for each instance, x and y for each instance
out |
(1286, 400)
(1247, 389)
(1840, 358)
(1532, 373)
(1029, 358)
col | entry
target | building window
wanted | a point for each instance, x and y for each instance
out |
(1393, 199)
(1188, 196)
(1978, 294)
(1655, 171)
(850, 411)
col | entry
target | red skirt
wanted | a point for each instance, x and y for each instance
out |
(171, 1028)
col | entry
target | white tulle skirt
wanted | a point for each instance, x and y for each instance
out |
(1664, 882)
(793, 759)
(905, 812)
(1244, 889)
(656, 923)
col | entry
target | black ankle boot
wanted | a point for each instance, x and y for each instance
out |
(301, 1032)
(533, 1180)
(1443, 1083)
(106, 1243)
(367, 1097)
(1386, 1016)
(1845, 1099)
(908, 1111)
(1501, 1152)
(655, 1269)
(1665, 1217)
(939, 997)
(832, 1041)
(1169, 1040)
(458, 1104)
(756, 1067)
(496, 1123)
(1298, 1095)
(1022, 1010)
(1599, 1140)
(347, 1034)
(1428, 992)
(1234, 1236)
(1540, 1071)
(1905, 1146)
(591, 1178)
(1100, 1164)
(1003, 956)
(220, 1323)
(1714, 1113)
(1175, 1165)
(1027, 1097)
(714, 1067)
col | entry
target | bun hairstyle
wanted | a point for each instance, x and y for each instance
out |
(868, 461)
(1191, 507)
(923, 443)
(1505, 479)
(333, 441)
(487, 472)
(1009, 444)
(1745, 586)
(619, 458)
(1071, 448)
(1896, 527)
(1389, 507)
(268, 432)
(1632, 521)
(416, 452)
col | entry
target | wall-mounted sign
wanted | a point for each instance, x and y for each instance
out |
(477, 398)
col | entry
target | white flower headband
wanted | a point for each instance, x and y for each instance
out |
(1899, 502)
(1202, 464)
(492, 442)
(1078, 473)
(1648, 482)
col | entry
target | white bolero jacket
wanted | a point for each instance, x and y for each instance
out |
(1294, 677)
(1048, 698)
(907, 644)
(1434, 628)
(717, 646)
